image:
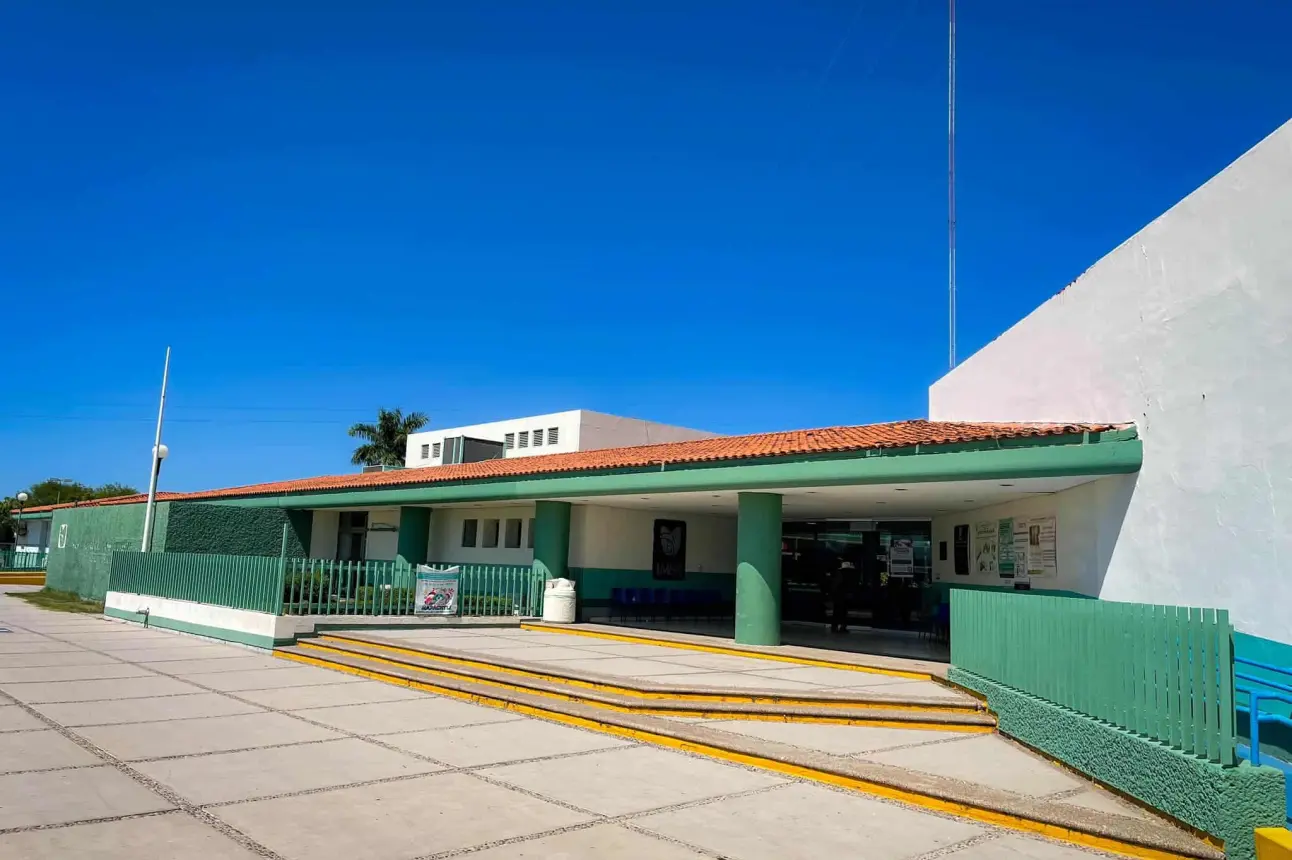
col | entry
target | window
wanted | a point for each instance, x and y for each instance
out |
(509, 441)
(469, 529)
(426, 452)
(553, 435)
(942, 550)
(538, 438)
(524, 438)
(513, 534)
(490, 534)
(530, 543)
(435, 450)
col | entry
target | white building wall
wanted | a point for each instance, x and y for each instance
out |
(1185, 329)
(622, 539)
(446, 535)
(323, 534)
(1087, 520)
(576, 430)
(37, 537)
(382, 545)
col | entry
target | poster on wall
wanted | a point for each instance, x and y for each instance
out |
(901, 557)
(668, 556)
(1021, 534)
(962, 550)
(985, 547)
(1042, 547)
(1005, 546)
(436, 592)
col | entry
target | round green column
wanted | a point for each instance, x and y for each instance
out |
(552, 540)
(758, 570)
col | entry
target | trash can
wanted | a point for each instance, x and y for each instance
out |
(558, 601)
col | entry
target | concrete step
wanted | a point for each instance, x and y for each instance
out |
(1064, 822)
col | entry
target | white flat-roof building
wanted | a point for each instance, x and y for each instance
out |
(555, 433)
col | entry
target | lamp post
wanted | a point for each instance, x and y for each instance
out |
(159, 453)
(22, 500)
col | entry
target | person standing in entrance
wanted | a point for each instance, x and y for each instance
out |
(840, 588)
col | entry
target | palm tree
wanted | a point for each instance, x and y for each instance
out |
(387, 439)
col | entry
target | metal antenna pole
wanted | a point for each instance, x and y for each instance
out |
(152, 480)
(951, 184)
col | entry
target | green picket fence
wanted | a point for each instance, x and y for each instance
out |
(235, 581)
(313, 586)
(1165, 672)
(12, 559)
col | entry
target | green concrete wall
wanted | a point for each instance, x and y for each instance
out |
(1226, 802)
(552, 539)
(758, 569)
(93, 534)
(229, 530)
(414, 535)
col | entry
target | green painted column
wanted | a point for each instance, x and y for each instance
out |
(302, 525)
(758, 569)
(552, 540)
(414, 535)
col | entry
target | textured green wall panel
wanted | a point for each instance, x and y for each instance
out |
(227, 530)
(1227, 802)
(414, 535)
(552, 539)
(93, 534)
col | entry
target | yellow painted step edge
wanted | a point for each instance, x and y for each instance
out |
(973, 813)
(914, 725)
(1273, 843)
(734, 652)
(629, 691)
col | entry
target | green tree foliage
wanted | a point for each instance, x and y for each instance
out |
(386, 441)
(54, 491)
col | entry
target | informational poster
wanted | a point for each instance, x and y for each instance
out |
(901, 557)
(437, 591)
(668, 555)
(962, 550)
(1042, 547)
(1020, 532)
(1005, 544)
(985, 548)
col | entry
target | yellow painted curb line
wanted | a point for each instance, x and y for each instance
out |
(914, 725)
(733, 652)
(22, 579)
(629, 691)
(961, 810)
(1273, 843)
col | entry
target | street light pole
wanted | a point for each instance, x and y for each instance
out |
(159, 454)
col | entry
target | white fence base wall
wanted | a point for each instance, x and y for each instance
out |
(258, 629)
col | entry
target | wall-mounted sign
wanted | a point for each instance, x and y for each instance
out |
(962, 550)
(901, 557)
(437, 591)
(62, 536)
(1042, 547)
(986, 547)
(383, 527)
(1005, 546)
(668, 554)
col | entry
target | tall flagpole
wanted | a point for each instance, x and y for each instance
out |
(951, 184)
(159, 454)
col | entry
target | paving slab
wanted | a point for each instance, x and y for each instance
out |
(58, 796)
(42, 750)
(635, 779)
(495, 743)
(628, 667)
(1015, 847)
(717, 662)
(34, 647)
(144, 710)
(89, 691)
(602, 842)
(836, 739)
(534, 653)
(225, 777)
(137, 654)
(286, 674)
(394, 820)
(428, 712)
(987, 760)
(172, 836)
(632, 649)
(15, 719)
(56, 658)
(330, 695)
(230, 663)
(24, 674)
(841, 678)
(700, 678)
(808, 821)
(138, 741)
(1105, 801)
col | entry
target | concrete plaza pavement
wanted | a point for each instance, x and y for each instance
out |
(118, 742)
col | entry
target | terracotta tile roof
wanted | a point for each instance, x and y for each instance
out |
(900, 434)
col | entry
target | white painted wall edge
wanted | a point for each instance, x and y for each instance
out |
(249, 628)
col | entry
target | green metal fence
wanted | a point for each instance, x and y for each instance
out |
(12, 559)
(1161, 671)
(315, 586)
(236, 581)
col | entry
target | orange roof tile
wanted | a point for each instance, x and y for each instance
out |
(899, 434)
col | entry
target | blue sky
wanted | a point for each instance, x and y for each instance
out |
(724, 214)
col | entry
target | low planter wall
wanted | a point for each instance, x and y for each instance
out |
(259, 629)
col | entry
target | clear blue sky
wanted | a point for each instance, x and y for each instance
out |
(728, 214)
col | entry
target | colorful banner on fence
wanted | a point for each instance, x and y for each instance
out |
(437, 591)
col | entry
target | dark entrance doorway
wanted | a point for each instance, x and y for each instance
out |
(891, 565)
